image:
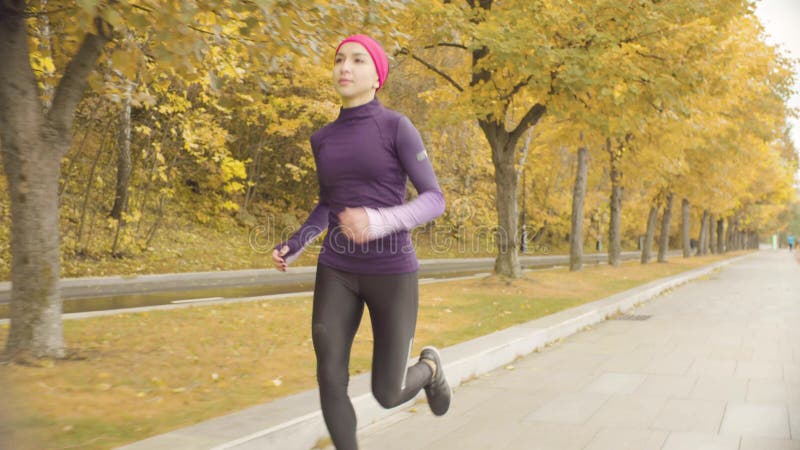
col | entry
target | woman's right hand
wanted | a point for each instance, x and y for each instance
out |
(278, 258)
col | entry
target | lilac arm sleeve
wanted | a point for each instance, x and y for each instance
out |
(430, 202)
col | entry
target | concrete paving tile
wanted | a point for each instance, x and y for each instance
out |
(794, 421)
(524, 379)
(584, 361)
(768, 391)
(628, 362)
(759, 370)
(395, 433)
(465, 398)
(726, 352)
(388, 430)
(756, 420)
(767, 353)
(793, 394)
(791, 372)
(619, 343)
(491, 432)
(511, 403)
(569, 408)
(719, 388)
(703, 416)
(700, 441)
(616, 383)
(725, 335)
(628, 411)
(573, 347)
(627, 439)
(768, 444)
(550, 436)
(666, 386)
(673, 365)
(712, 367)
(566, 380)
(688, 345)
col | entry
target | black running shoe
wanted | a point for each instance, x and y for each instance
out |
(437, 390)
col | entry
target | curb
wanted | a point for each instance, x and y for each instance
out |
(295, 422)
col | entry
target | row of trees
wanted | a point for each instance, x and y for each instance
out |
(617, 112)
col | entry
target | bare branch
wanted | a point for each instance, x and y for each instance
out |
(656, 107)
(553, 76)
(447, 44)
(656, 57)
(431, 67)
(517, 88)
(531, 118)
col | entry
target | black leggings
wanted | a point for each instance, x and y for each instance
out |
(339, 299)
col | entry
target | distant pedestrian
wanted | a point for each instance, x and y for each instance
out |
(363, 159)
(790, 241)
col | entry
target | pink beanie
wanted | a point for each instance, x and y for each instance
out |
(375, 51)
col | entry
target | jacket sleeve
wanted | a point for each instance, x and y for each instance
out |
(430, 202)
(315, 224)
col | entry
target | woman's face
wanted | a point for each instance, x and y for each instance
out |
(354, 75)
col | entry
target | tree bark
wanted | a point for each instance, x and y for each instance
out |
(33, 144)
(507, 262)
(702, 240)
(730, 243)
(88, 191)
(712, 234)
(647, 249)
(663, 240)
(721, 235)
(685, 238)
(614, 238)
(124, 167)
(578, 197)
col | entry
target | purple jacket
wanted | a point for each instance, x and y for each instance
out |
(363, 159)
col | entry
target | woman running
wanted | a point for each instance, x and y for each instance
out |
(363, 160)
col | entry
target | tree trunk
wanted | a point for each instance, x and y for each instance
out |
(123, 158)
(88, 191)
(503, 144)
(712, 235)
(614, 238)
(578, 197)
(124, 169)
(523, 235)
(729, 236)
(647, 249)
(685, 238)
(702, 240)
(721, 235)
(507, 262)
(663, 240)
(33, 144)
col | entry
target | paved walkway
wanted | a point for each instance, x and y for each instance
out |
(715, 366)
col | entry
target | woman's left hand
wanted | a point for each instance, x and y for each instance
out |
(354, 223)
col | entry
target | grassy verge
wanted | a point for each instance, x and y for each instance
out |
(136, 375)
